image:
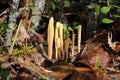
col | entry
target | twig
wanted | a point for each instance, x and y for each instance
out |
(4, 12)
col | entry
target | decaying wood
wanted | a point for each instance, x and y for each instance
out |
(56, 72)
(99, 48)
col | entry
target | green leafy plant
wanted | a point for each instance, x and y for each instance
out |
(67, 3)
(96, 7)
(116, 15)
(105, 9)
(102, 11)
(67, 34)
(54, 6)
(107, 21)
(31, 5)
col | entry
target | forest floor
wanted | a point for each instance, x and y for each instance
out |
(56, 54)
(96, 61)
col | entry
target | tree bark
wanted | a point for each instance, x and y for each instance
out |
(12, 19)
(38, 9)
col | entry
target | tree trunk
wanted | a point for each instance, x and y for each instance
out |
(12, 19)
(38, 9)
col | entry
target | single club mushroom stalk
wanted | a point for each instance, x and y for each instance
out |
(61, 38)
(56, 36)
(66, 42)
(50, 37)
(58, 42)
(73, 40)
(79, 37)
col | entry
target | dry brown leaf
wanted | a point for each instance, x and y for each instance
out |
(22, 35)
(94, 53)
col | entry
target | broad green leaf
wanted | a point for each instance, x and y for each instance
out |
(92, 5)
(65, 28)
(97, 10)
(116, 16)
(67, 3)
(107, 21)
(76, 27)
(53, 6)
(105, 9)
(75, 23)
(116, 6)
(69, 28)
